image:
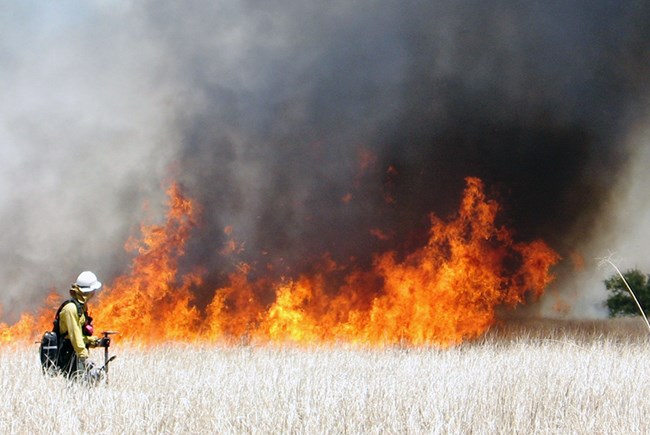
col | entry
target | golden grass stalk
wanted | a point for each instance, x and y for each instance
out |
(611, 263)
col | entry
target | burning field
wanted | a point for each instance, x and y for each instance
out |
(442, 293)
(321, 163)
(281, 197)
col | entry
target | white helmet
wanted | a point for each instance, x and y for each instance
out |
(87, 282)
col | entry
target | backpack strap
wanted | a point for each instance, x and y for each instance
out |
(80, 311)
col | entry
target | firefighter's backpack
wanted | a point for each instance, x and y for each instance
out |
(53, 357)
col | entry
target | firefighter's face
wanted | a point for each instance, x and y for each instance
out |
(84, 296)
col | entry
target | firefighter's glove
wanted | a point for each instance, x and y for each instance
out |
(103, 342)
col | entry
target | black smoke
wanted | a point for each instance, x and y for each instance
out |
(529, 96)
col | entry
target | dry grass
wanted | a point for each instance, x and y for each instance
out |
(532, 377)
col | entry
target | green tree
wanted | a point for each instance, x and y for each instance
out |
(620, 301)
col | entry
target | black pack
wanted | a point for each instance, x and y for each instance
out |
(49, 352)
(56, 351)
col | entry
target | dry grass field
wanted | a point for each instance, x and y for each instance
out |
(529, 377)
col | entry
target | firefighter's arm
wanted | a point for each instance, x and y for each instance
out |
(69, 317)
(91, 341)
(99, 342)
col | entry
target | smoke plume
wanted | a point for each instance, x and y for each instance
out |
(311, 128)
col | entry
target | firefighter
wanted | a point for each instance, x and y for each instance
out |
(76, 329)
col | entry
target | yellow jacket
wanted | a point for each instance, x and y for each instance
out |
(70, 323)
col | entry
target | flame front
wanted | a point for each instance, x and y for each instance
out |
(442, 293)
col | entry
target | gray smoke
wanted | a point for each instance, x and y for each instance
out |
(85, 139)
(310, 127)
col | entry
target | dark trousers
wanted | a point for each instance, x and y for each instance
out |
(68, 362)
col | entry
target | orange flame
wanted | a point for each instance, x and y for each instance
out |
(28, 325)
(151, 302)
(443, 293)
